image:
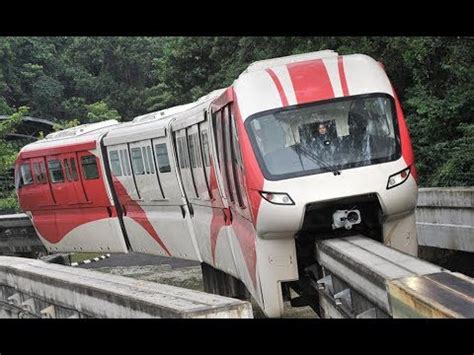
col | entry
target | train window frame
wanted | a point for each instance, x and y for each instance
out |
(84, 167)
(22, 179)
(135, 158)
(158, 158)
(113, 161)
(51, 177)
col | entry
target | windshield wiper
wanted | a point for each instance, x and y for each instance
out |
(316, 159)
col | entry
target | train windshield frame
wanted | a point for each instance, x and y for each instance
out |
(325, 136)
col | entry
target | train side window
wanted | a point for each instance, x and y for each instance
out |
(137, 161)
(197, 151)
(39, 173)
(115, 163)
(89, 167)
(162, 157)
(182, 152)
(146, 160)
(236, 158)
(73, 168)
(227, 152)
(192, 150)
(67, 169)
(150, 159)
(217, 124)
(205, 147)
(26, 177)
(125, 162)
(55, 171)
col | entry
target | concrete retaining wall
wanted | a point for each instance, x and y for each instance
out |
(444, 218)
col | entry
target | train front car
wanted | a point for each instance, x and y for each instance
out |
(330, 156)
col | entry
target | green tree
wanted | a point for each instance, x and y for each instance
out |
(100, 111)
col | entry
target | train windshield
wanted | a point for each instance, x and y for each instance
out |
(328, 136)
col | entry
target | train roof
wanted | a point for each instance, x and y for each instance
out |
(84, 133)
(154, 124)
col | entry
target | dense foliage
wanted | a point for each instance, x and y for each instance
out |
(83, 79)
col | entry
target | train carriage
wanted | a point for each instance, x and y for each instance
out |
(247, 178)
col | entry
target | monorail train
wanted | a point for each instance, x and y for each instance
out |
(244, 180)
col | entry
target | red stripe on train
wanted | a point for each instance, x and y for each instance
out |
(284, 100)
(310, 81)
(137, 213)
(342, 76)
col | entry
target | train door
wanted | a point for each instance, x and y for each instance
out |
(43, 189)
(203, 221)
(240, 203)
(92, 179)
(219, 130)
(230, 167)
(169, 213)
(26, 186)
(184, 163)
(146, 178)
(58, 181)
(75, 188)
(122, 177)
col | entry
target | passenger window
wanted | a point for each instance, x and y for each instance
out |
(73, 168)
(197, 151)
(183, 154)
(150, 159)
(39, 173)
(55, 171)
(137, 161)
(125, 162)
(162, 157)
(147, 160)
(192, 150)
(236, 158)
(68, 172)
(115, 163)
(205, 147)
(26, 177)
(89, 167)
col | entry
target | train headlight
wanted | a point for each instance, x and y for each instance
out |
(277, 198)
(398, 178)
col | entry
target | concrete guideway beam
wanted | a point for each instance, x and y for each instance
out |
(52, 290)
(396, 284)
